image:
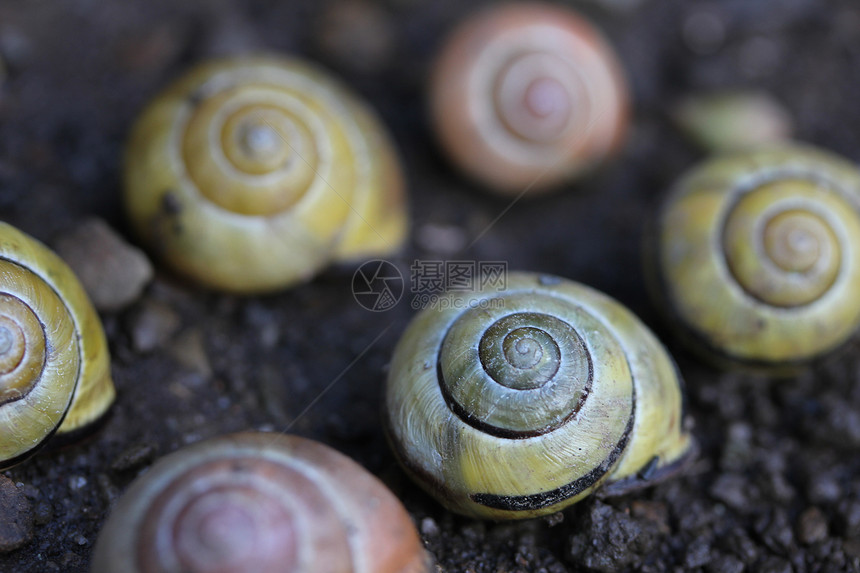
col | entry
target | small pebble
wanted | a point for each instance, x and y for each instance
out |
(429, 527)
(189, 350)
(134, 457)
(698, 553)
(152, 326)
(737, 447)
(16, 517)
(823, 488)
(113, 272)
(731, 489)
(77, 483)
(811, 526)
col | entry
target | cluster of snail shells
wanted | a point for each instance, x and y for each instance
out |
(259, 502)
(528, 95)
(757, 256)
(518, 403)
(251, 174)
(54, 363)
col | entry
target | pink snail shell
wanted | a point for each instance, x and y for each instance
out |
(256, 502)
(528, 95)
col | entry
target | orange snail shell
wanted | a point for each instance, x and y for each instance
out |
(263, 503)
(528, 95)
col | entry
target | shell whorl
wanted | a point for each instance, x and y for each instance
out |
(781, 242)
(494, 375)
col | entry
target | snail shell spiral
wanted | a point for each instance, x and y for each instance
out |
(54, 364)
(528, 95)
(251, 174)
(261, 503)
(759, 255)
(518, 403)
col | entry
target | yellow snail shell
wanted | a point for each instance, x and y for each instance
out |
(528, 95)
(54, 363)
(256, 502)
(514, 404)
(758, 256)
(252, 174)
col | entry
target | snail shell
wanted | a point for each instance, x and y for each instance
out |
(519, 403)
(54, 363)
(758, 256)
(261, 503)
(528, 95)
(252, 174)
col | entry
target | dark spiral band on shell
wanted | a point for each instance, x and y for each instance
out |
(9, 397)
(549, 498)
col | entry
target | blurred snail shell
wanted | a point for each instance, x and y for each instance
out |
(758, 256)
(252, 174)
(54, 363)
(528, 95)
(260, 503)
(514, 404)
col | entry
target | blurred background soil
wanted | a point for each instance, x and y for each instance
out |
(777, 486)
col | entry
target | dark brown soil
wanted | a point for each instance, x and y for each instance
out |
(777, 486)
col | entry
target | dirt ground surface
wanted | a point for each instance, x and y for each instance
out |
(777, 485)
